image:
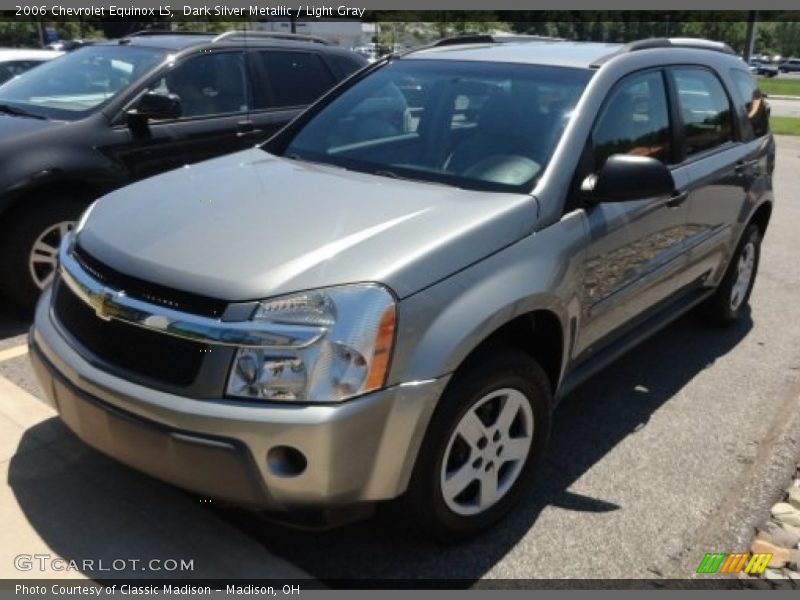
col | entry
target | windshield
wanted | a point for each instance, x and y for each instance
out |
(72, 86)
(470, 124)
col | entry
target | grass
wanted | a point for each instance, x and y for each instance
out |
(780, 86)
(785, 125)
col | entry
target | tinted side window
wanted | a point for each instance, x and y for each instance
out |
(296, 78)
(635, 120)
(6, 72)
(754, 104)
(347, 65)
(706, 111)
(13, 68)
(212, 84)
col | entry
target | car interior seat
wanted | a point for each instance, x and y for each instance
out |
(508, 124)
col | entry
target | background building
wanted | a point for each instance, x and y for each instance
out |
(344, 33)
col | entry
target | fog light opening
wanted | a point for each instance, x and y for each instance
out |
(285, 461)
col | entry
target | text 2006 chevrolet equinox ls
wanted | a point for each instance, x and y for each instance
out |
(389, 298)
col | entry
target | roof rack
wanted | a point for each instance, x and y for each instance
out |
(274, 35)
(164, 32)
(651, 43)
(697, 43)
(487, 38)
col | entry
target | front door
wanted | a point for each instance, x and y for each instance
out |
(636, 249)
(215, 99)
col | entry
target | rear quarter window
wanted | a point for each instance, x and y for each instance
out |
(751, 100)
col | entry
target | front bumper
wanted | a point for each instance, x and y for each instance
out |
(362, 450)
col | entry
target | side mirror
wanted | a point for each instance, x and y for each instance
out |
(626, 177)
(156, 107)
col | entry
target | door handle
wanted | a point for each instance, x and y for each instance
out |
(249, 132)
(743, 166)
(247, 128)
(677, 199)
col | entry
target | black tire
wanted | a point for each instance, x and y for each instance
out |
(22, 225)
(495, 369)
(721, 308)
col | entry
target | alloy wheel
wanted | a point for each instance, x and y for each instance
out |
(43, 256)
(744, 275)
(487, 451)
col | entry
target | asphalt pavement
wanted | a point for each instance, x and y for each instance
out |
(676, 450)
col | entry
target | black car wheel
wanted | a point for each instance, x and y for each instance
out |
(482, 446)
(731, 299)
(29, 249)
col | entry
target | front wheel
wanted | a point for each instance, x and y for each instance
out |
(482, 446)
(32, 234)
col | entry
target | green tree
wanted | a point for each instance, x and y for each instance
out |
(787, 38)
(18, 34)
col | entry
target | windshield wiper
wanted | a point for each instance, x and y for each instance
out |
(18, 112)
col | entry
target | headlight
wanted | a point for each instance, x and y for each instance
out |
(352, 357)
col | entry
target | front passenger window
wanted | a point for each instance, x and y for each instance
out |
(212, 84)
(634, 121)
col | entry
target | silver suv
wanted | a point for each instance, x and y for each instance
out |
(388, 299)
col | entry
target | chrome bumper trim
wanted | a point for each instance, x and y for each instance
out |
(109, 303)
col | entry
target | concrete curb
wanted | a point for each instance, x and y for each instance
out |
(62, 499)
(732, 527)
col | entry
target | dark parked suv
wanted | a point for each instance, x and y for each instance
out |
(790, 65)
(108, 114)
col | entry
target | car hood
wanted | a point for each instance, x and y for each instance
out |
(12, 128)
(251, 225)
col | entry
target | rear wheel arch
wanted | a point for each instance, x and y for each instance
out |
(761, 216)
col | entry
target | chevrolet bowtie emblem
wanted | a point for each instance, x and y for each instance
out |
(103, 305)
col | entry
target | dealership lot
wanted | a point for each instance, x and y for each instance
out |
(677, 449)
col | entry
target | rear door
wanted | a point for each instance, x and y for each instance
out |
(636, 251)
(286, 81)
(722, 164)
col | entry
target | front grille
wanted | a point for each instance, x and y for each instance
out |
(162, 358)
(150, 292)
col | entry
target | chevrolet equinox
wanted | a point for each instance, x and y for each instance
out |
(388, 298)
